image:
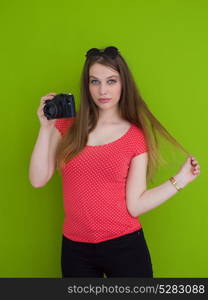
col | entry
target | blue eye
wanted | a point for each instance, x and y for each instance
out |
(108, 80)
(112, 80)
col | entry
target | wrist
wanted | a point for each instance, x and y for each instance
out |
(180, 181)
(46, 128)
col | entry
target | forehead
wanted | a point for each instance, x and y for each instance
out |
(101, 72)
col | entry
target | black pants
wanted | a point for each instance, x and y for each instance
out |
(125, 256)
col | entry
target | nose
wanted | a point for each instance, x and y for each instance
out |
(103, 89)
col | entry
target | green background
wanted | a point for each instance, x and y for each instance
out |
(43, 44)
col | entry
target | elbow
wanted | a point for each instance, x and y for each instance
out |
(134, 215)
(132, 212)
(38, 184)
(136, 211)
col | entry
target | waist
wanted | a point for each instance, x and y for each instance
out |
(100, 237)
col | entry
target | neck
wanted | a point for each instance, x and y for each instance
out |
(109, 117)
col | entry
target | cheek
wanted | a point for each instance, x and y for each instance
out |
(117, 90)
(92, 89)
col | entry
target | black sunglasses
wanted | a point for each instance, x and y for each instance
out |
(112, 52)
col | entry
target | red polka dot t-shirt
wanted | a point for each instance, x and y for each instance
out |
(93, 184)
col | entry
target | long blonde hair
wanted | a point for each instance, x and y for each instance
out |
(131, 108)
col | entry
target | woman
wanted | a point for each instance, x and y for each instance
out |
(106, 155)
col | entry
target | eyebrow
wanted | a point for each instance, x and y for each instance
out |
(106, 77)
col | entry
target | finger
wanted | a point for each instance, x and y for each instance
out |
(43, 99)
(46, 97)
(193, 158)
(194, 162)
(197, 168)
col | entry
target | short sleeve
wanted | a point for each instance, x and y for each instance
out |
(140, 142)
(63, 124)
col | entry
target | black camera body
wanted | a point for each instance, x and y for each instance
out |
(61, 106)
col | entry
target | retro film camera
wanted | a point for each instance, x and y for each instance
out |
(61, 106)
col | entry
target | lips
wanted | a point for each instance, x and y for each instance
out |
(104, 99)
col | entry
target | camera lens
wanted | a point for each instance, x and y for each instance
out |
(51, 111)
(61, 106)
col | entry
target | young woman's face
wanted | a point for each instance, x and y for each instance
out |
(104, 82)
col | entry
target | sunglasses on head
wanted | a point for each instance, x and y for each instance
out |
(112, 52)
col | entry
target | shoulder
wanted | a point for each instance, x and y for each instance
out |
(138, 133)
(139, 140)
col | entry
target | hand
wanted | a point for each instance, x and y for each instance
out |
(189, 171)
(42, 118)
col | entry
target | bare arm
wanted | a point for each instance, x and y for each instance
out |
(139, 199)
(154, 197)
(42, 162)
(38, 169)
